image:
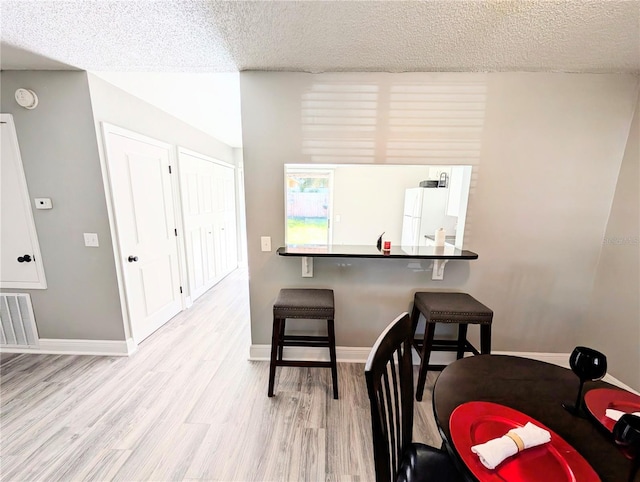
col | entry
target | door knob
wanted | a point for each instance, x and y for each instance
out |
(132, 259)
(24, 259)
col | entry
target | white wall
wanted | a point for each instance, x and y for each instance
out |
(370, 200)
(114, 105)
(546, 151)
(613, 322)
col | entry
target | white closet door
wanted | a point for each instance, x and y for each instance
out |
(210, 252)
(197, 184)
(21, 262)
(139, 174)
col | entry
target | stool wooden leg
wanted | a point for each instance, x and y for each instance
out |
(275, 342)
(462, 339)
(430, 330)
(332, 356)
(485, 339)
(415, 317)
(281, 344)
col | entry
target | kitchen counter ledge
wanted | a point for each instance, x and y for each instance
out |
(447, 252)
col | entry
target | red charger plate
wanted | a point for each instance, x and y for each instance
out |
(600, 399)
(473, 423)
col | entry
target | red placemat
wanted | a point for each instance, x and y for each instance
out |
(599, 400)
(474, 423)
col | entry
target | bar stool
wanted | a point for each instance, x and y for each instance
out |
(459, 308)
(314, 304)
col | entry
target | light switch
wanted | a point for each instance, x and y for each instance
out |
(265, 243)
(91, 240)
(43, 203)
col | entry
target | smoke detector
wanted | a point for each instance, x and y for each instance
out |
(26, 98)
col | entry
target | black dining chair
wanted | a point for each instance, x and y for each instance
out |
(389, 377)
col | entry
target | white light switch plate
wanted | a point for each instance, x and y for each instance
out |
(91, 240)
(265, 243)
(43, 203)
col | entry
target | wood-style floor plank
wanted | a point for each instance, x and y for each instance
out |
(187, 406)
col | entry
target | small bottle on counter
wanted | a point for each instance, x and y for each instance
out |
(440, 236)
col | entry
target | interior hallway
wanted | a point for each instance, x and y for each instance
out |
(187, 406)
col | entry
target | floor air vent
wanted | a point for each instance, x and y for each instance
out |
(18, 327)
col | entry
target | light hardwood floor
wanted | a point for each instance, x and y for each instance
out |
(188, 406)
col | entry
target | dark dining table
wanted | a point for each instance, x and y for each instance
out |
(537, 389)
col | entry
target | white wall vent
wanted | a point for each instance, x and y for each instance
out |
(18, 326)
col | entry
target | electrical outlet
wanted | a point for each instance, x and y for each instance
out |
(91, 240)
(265, 243)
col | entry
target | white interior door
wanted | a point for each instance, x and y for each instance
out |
(21, 262)
(197, 187)
(208, 193)
(139, 174)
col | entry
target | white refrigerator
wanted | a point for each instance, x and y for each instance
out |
(425, 211)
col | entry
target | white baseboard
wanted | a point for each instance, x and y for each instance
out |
(78, 347)
(614, 381)
(347, 354)
(562, 359)
(132, 346)
(358, 354)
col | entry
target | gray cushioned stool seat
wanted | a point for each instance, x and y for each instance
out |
(452, 308)
(304, 303)
(309, 303)
(441, 307)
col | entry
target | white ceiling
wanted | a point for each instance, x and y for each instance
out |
(194, 36)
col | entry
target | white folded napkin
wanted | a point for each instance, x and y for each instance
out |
(616, 414)
(493, 452)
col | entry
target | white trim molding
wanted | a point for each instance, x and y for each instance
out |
(78, 347)
(346, 354)
(562, 359)
(359, 354)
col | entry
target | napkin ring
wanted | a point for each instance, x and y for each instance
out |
(516, 439)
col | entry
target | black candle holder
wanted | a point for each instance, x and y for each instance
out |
(587, 364)
(626, 433)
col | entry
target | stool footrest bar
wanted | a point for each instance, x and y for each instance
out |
(302, 363)
(322, 344)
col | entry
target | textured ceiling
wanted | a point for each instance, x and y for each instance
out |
(131, 40)
(315, 36)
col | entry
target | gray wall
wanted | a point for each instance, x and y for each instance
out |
(613, 324)
(60, 157)
(60, 152)
(546, 150)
